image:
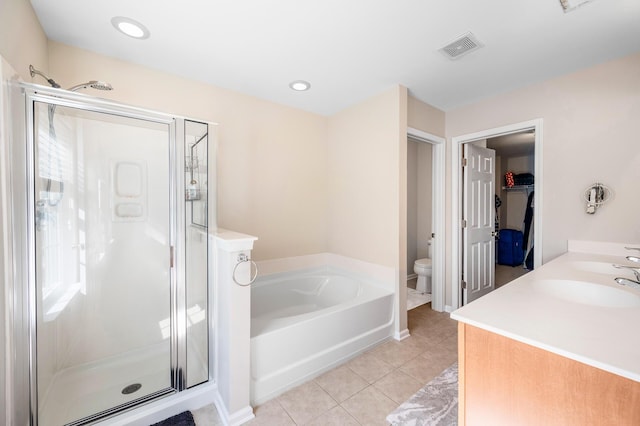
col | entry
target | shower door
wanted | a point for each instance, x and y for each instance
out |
(103, 261)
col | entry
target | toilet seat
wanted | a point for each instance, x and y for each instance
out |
(424, 263)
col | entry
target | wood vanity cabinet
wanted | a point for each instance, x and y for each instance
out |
(506, 382)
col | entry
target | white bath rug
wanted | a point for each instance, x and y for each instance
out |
(436, 404)
(415, 298)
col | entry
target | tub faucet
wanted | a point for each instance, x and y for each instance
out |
(628, 282)
(635, 270)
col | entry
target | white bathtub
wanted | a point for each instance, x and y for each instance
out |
(305, 323)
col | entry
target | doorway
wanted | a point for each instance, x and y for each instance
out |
(433, 229)
(485, 138)
(514, 192)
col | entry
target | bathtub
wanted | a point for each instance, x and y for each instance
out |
(305, 323)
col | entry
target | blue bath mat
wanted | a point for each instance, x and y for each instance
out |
(182, 419)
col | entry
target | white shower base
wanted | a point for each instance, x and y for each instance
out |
(88, 389)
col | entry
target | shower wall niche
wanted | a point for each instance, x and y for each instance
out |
(111, 281)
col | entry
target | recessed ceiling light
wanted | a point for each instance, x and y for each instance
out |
(300, 85)
(130, 27)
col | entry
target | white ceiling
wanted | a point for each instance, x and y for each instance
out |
(352, 49)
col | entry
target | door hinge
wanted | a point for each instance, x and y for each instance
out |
(464, 162)
(464, 284)
(464, 223)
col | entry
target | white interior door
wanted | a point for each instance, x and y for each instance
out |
(478, 213)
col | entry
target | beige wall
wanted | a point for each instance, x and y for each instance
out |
(590, 134)
(424, 117)
(367, 186)
(22, 39)
(425, 198)
(363, 178)
(272, 159)
(419, 200)
(412, 204)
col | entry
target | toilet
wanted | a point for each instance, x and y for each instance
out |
(422, 267)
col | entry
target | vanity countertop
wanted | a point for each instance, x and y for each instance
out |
(570, 306)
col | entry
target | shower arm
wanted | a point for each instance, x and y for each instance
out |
(51, 81)
(98, 85)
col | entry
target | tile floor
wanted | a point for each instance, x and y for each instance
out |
(505, 274)
(364, 390)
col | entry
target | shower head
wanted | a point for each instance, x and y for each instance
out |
(98, 85)
(34, 71)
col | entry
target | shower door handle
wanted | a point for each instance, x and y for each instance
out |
(171, 257)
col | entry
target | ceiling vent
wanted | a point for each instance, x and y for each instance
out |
(461, 46)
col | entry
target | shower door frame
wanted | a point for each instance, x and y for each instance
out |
(25, 295)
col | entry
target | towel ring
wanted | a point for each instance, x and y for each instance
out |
(242, 258)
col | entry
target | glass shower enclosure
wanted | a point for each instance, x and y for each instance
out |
(113, 283)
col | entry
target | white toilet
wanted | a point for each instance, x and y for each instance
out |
(422, 267)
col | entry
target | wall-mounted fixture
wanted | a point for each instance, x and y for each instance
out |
(596, 195)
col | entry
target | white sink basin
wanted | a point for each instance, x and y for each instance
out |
(587, 293)
(600, 268)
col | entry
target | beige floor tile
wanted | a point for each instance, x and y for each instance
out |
(424, 369)
(450, 343)
(422, 344)
(369, 367)
(341, 383)
(398, 386)
(395, 353)
(306, 402)
(270, 413)
(505, 274)
(441, 354)
(370, 406)
(337, 416)
(396, 369)
(426, 312)
(434, 333)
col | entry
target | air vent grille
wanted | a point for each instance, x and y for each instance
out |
(461, 46)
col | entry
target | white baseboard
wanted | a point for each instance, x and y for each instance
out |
(403, 334)
(241, 416)
(232, 419)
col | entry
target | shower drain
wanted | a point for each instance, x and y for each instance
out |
(131, 388)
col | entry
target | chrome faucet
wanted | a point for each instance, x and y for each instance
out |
(633, 258)
(628, 282)
(635, 270)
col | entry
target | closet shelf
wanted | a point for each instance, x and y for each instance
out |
(519, 187)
